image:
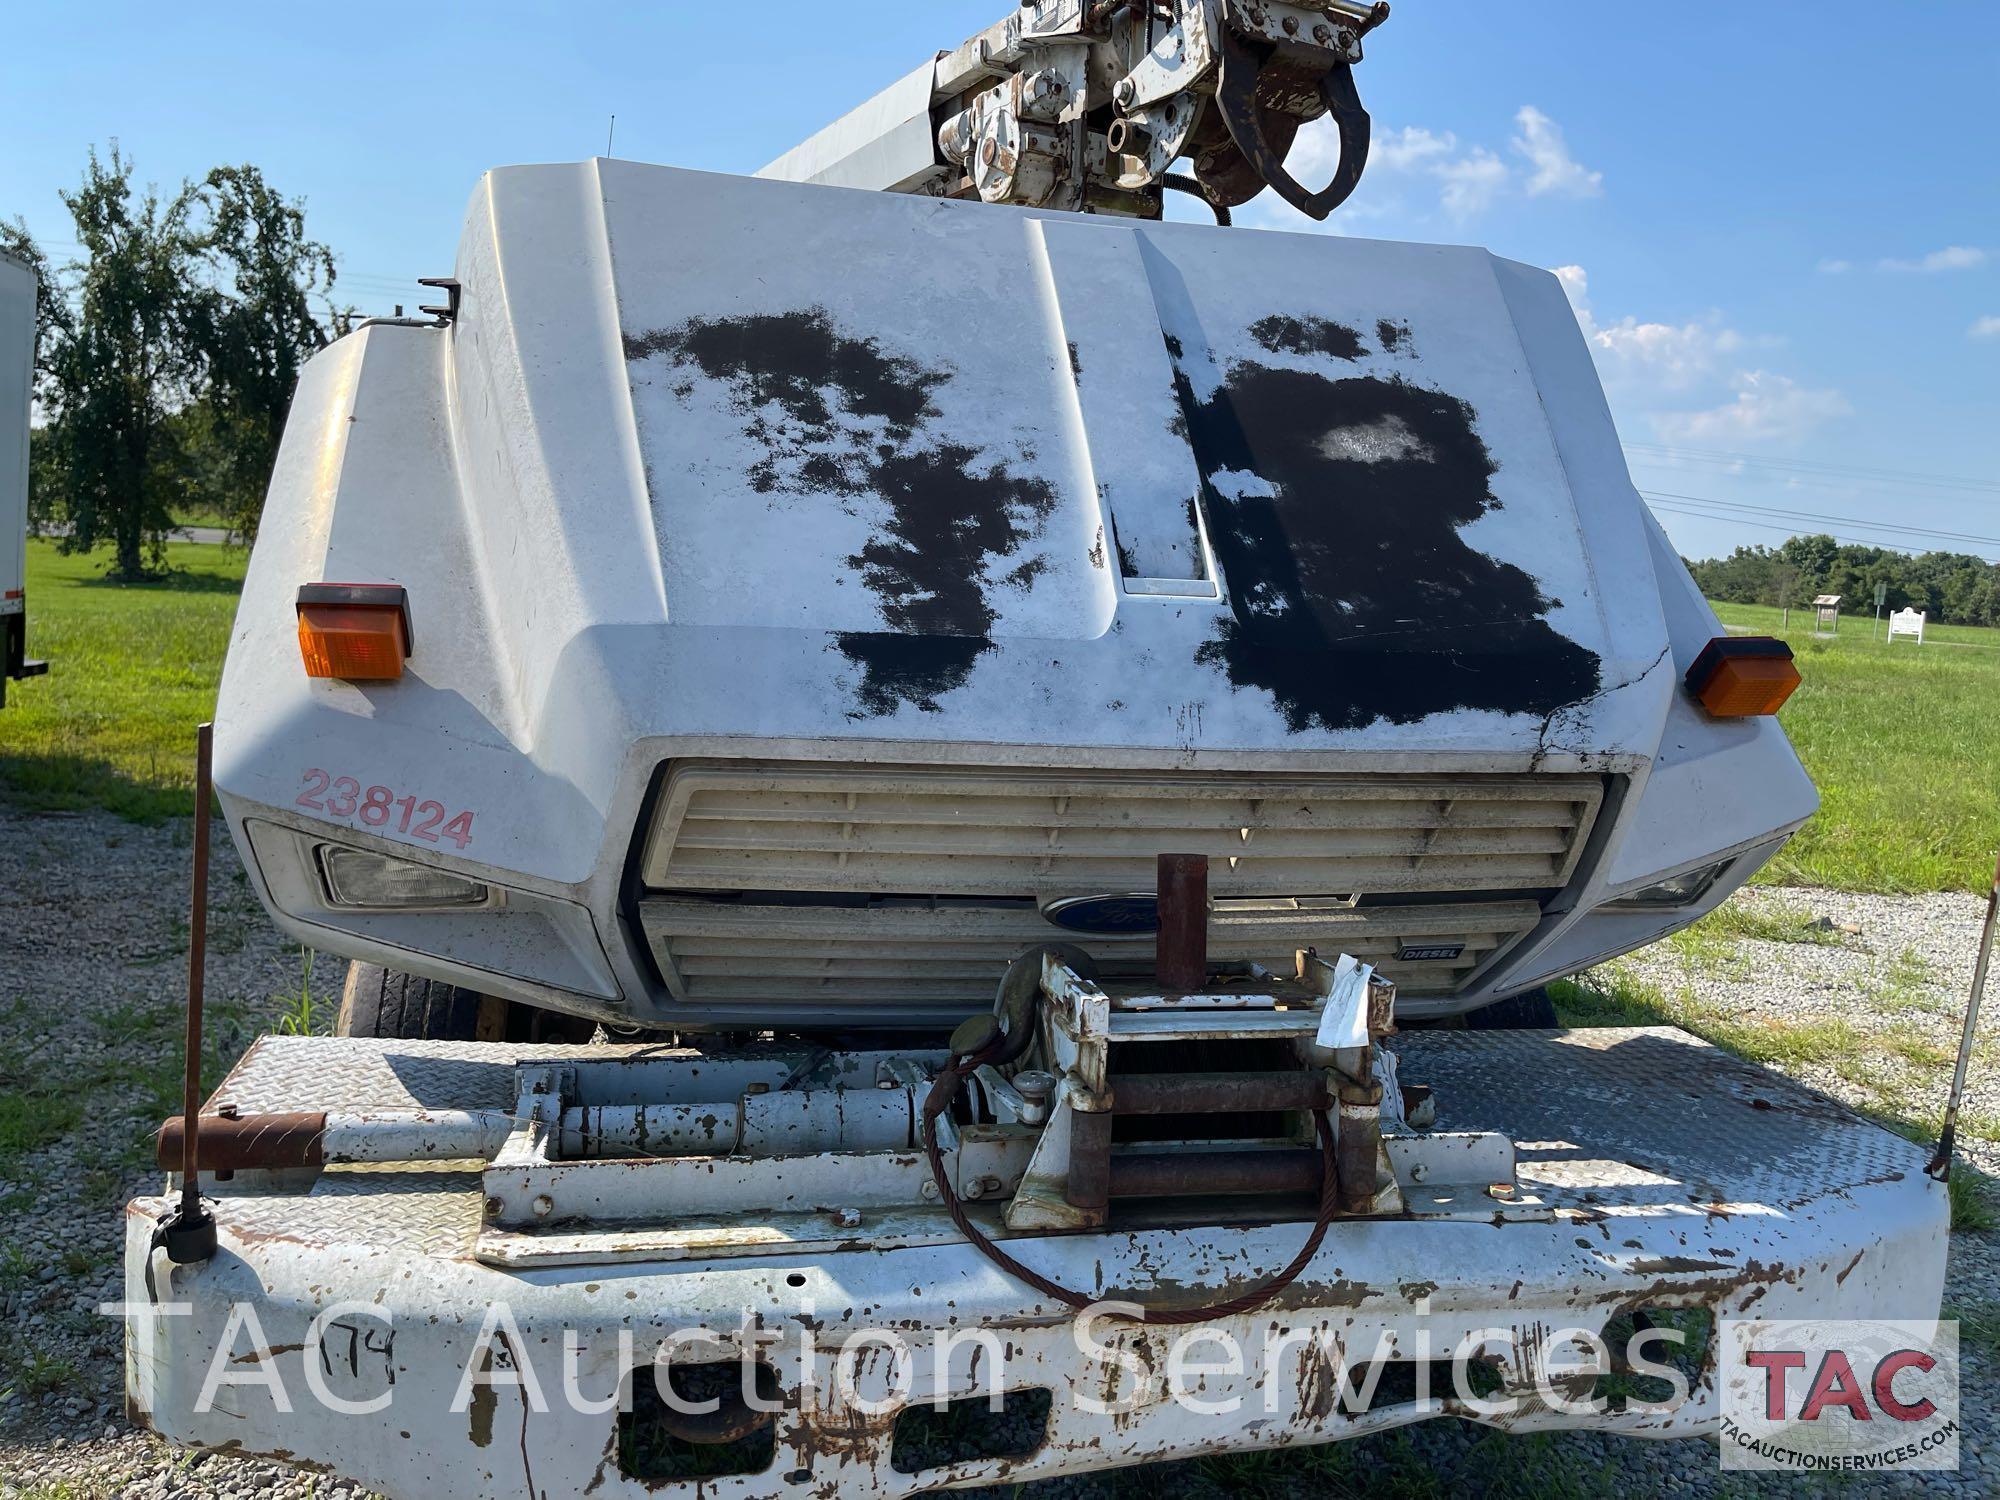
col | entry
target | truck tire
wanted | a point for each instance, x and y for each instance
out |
(379, 1002)
(1531, 1010)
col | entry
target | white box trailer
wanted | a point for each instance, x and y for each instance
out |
(17, 374)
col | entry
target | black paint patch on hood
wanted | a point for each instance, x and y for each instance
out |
(836, 415)
(947, 517)
(793, 359)
(913, 669)
(1287, 335)
(781, 369)
(1335, 506)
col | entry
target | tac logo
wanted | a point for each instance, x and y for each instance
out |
(1839, 1396)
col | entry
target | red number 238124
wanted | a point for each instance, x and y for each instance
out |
(382, 807)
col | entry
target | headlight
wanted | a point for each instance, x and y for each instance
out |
(358, 878)
(1679, 890)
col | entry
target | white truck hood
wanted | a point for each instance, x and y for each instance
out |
(915, 470)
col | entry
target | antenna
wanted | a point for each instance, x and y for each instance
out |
(609, 134)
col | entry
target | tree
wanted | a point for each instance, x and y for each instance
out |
(1813, 558)
(1784, 587)
(1952, 587)
(174, 342)
(120, 367)
(51, 312)
(254, 328)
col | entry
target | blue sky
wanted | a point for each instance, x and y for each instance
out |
(1780, 222)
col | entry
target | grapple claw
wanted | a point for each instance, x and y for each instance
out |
(1249, 120)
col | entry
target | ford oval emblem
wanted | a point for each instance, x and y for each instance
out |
(1138, 911)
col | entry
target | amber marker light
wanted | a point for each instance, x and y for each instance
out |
(1743, 676)
(359, 632)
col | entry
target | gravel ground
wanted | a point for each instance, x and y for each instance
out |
(91, 938)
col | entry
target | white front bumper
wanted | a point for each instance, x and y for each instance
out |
(1683, 1179)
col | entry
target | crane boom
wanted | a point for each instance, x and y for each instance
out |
(1087, 104)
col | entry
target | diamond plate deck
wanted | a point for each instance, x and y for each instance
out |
(356, 1073)
(1651, 1118)
(427, 1213)
(1607, 1122)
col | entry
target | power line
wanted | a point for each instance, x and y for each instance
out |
(361, 280)
(1803, 466)
(1851, 471)
(1889, 537)
(1702, 515)
(1807, 515)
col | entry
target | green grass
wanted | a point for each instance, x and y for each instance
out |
(1613, 996)
(1978, 1325)
(1971, 1203)
(1906, 982)
(133, 669)
(1904, 743)
(31, 1121)
(300, 1012)
(35, 1373)
(17, 1268)
(1768, 920)
(33, 1115)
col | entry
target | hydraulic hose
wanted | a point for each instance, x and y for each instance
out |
(1182, 183)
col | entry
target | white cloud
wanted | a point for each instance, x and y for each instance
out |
(1468, 179)
(1676, 357)
(1689, 380)
(1398, 151)
(1555, 170)
(1767, 408)
(1661, 358)
(1576, 286)
(1471, 183)
(1951, 258)
(1836, 267)
(1984, 328)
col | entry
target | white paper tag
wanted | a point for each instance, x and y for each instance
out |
(1343, 1022)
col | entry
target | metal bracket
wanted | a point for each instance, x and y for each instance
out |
(451, 289)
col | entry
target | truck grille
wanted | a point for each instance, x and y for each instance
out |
(907, 887)
(1022, 834)
(918, 955)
